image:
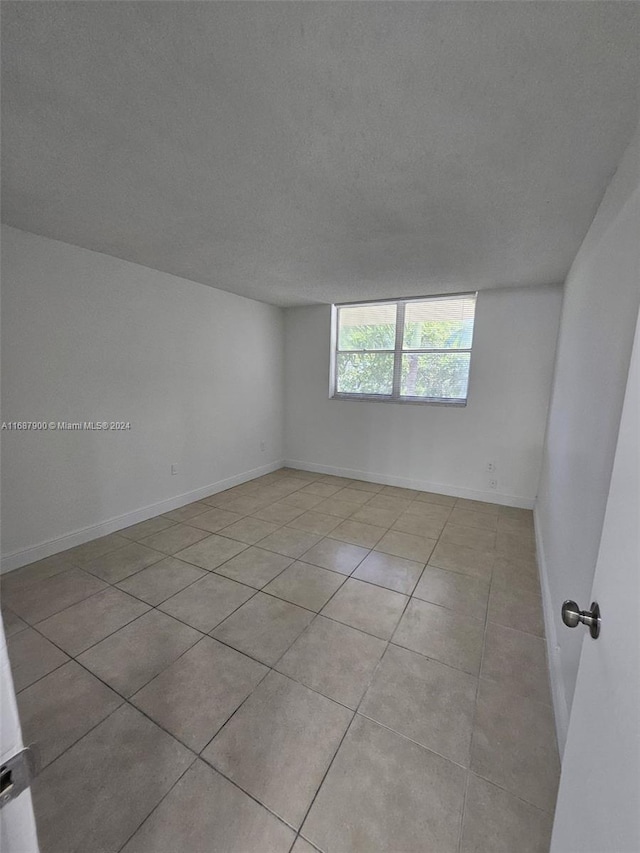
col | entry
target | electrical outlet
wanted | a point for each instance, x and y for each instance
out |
(174, 468)
(263, 446)
(491, 466)
(493, 484)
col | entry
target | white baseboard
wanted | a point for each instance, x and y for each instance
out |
(23, 557)
(490, 496)
(558, 696)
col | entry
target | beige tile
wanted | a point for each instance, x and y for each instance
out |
(390, 572)
(384, 793)
(516, 573)
(342, 482)
(435, 498)
(468, 518)
(498, 822)
(354, 496)
(515, 545)
(82, 554)
(341, 509)
(457, 558)
(419, 525)
(424, 700)
(11, 582)
(279, 744)
(306, 585)
(184, 513)
(162, 580)
(324, 490)
(334, 660)
(215, 519)
(86, 623)
(263, 628)
(249, 530)
(254, 567)
(516, 608)
(517, 514)
(302, 846)
(278, 513)
(136, 653)
(374, 515)
(204, 813)
(211, 552)
(37, 601)
(477, 506)
(458, 592)
(517, 659)
(335, 555)
(146, 528)
(417, 548)
(441, 634)
(399, 492)
(95, 796)
(11, 623)
(194, 696)
(63, 706)
(302, 502)
(205, 603)
(246, 504)
(357, 533)
(175, 538)
(117, 565)
(366, 607)
(517, 525)
(390, 503)
(514, 744)
(290, 542)
(469, 537)
(31, 657)
(315, 522)
(366, 486)
(433, 513)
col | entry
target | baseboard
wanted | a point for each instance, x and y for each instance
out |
(490, 496)
(558, 696)
(16, 559)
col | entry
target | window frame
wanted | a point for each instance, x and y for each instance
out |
(397, 352)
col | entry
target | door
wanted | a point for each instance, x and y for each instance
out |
(598, 809)
(17, 824)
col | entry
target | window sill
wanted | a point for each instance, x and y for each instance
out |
(412, 401)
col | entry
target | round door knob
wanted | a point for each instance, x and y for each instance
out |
(573, 616)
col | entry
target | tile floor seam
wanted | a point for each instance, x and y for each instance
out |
(111, 634)
(67, 606)
(157, 805)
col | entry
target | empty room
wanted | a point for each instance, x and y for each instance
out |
(320, 485)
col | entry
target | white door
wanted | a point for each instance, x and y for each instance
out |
(17, 825)
(598, 808)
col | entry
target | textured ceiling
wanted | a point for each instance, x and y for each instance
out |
(316, 152)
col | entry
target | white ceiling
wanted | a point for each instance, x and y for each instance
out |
(314, 152)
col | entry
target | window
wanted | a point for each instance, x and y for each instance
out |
(405, 350)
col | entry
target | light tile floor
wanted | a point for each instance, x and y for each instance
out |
(300, 663)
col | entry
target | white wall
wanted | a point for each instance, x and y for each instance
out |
(436, 448)
(602, 295)
(198, 372)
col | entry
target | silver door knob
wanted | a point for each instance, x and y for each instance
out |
(572, 616)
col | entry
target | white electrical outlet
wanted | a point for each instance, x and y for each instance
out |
(491, 466)
(493, 484)
(174, 468)
(263, 446)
